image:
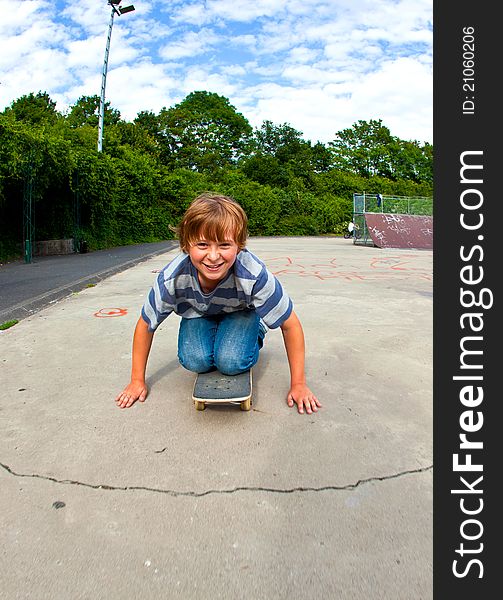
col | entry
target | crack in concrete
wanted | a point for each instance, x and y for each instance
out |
(211, 492)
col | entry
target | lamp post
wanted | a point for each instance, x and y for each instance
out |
(116, 10)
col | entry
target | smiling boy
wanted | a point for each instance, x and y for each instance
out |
(226, 298)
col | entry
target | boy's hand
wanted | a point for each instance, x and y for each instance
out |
(301, 395)
(136, 390)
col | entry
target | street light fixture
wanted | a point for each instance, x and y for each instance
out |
(116, 10)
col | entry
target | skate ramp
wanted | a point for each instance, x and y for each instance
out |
(400, 231)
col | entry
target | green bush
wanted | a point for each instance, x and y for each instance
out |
(129, 193)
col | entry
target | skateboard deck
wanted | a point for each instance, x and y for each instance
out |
(216, 388)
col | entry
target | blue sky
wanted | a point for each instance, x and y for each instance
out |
(318, 65)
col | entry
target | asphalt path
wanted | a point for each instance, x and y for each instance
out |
(25, 288)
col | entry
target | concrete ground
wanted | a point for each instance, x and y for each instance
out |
(162, 501)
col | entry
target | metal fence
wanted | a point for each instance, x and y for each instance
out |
(378, 203)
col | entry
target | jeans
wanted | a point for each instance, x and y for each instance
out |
(228, 342)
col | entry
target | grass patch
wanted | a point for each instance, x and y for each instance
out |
(8, 324)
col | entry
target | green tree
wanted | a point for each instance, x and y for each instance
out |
(203, 132)
(281, 157)
(265, 169)
(282, 141)
(33, 156)
(321, 158)
(150, 122)
(86, 112)
(154, 166)
(369, 149)
(363, 149)
(130, 135)
(37, 109)
(412, 161)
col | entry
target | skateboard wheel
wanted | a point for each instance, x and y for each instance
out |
(200, 405)
(246, 404)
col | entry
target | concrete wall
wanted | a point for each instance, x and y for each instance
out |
(50, 247)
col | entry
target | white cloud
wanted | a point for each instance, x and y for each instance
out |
(85, 53)
(313, 75)
(320, 65)
(301, 54)
(199, 79)
(16, 14)
(148, 88)
(191, 44)
(234, 70)
(198, 13)
(401, 94)
(308, 110)
(320, 112)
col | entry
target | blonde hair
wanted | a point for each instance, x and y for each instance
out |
(214, 218)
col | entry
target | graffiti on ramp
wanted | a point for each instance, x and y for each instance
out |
(400, 231)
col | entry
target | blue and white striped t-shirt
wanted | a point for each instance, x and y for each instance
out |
(247, 285)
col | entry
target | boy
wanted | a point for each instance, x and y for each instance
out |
(225, 296)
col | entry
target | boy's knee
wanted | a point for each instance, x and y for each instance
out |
(194, 362)
(230, 364)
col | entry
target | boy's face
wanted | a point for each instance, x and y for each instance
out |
(213, 260)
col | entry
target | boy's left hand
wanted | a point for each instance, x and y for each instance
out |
(301, 395)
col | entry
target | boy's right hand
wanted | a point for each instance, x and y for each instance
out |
(136, 390)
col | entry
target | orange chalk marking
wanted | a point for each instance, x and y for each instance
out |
(111, 312)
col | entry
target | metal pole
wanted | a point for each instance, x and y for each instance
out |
(28, 211)
(104, 82)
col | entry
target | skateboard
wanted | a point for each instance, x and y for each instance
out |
(216, 388)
